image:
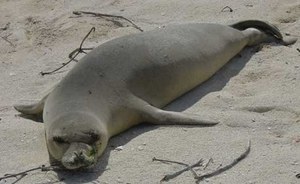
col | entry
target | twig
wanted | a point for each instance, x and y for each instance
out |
(169, 161)
(171, 176)
(22, 176)
(108, 15)
(73, 54)
(63, 65)
(24, 173)
(5, 39)
(222, 169)
(87, 35)
(227, 7)
(187, 167)
(82, 50)
(208, 162)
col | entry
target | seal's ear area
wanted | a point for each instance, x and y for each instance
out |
(155, 115)
(94, 136)
(59, 140)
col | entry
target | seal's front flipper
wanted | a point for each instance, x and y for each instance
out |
(155, 115)
(162, 117)
(32, 109)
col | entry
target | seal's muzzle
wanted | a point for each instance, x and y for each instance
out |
(79, 155)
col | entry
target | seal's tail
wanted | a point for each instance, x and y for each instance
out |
(266, 28)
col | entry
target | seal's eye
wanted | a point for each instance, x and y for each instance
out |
(94, 137)
(59, 140)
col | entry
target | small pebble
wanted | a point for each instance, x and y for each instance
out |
(269, 128)
(119, 148)
(140, 148)
(120, 181)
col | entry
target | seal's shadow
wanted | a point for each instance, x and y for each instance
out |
(216, 83)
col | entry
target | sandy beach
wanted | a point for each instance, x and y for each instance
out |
(255, 96)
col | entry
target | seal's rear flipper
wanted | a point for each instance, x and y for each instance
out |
(32, 109)
(288, 41)
(265, 27)
(155, 115)
(260, 25)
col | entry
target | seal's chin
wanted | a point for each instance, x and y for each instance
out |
(79, 155)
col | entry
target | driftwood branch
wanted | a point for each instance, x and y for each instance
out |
(108, 15)
(225, 168)
(187, 167)
(207, 164)
(80, 49)
(73, 54)
(169, 161)
(197, 177)
(171, 176)
(24, 173)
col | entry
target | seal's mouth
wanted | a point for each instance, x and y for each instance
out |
(79, 155)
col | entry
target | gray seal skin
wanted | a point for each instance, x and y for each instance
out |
(126, 81)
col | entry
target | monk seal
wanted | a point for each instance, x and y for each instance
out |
(126, 81)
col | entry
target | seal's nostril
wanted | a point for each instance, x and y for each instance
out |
(79, 156)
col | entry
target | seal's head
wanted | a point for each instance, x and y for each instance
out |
(76, 140)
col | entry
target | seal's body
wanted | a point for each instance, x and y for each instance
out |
(125, 81)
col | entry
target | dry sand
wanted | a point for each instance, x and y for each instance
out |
(42, 34)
